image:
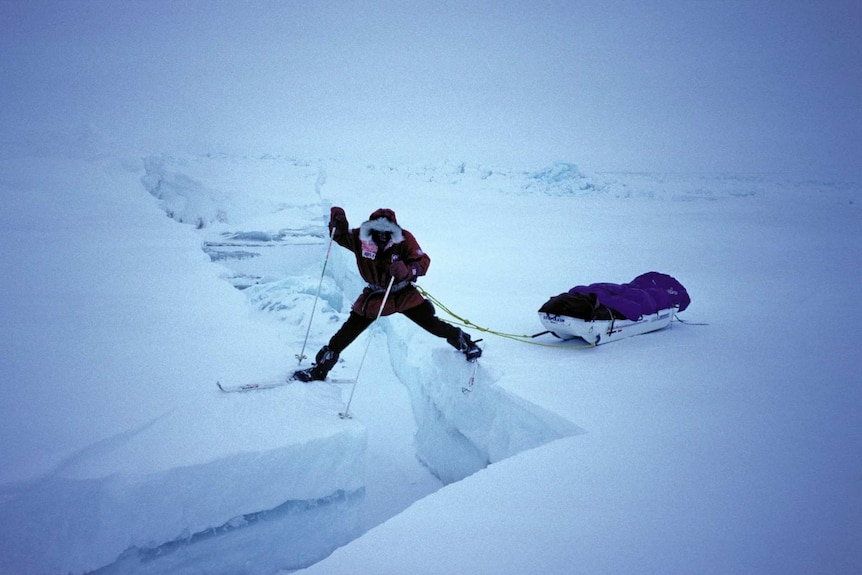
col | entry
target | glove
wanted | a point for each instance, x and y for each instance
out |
(401, 271)
(337, 221)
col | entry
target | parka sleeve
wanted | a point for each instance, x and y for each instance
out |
(340, 229)
(413, 255)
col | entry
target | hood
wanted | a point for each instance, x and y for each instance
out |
(381, 224)
(383, 213)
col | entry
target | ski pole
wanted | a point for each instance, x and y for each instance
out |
(346, 413)
(301, 355)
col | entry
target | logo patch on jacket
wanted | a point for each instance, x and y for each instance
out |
(369, 254)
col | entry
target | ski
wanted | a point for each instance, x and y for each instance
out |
(273, 384)
(466, 390)
(472, 379)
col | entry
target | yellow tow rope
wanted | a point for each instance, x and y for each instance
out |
(463, 322)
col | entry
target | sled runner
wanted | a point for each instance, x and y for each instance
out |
(604, 312)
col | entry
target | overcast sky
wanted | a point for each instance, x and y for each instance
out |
(741, 86)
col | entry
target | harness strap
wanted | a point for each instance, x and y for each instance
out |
(381, 289)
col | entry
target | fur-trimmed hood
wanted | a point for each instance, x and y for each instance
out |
(381, 224)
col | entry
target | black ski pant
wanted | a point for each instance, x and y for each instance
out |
(423, 315)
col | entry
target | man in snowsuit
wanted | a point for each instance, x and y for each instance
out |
(383, 250)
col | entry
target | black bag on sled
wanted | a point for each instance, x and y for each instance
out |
(581, 306)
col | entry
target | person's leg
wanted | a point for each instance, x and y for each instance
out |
(348, 332)
(425, 317)
(328, 355)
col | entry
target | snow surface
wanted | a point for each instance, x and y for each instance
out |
(727, 447)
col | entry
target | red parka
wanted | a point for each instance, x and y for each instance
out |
(374, 262)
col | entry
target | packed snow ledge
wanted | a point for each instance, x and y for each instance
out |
(724, 448)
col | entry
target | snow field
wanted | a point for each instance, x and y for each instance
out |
(719, 448)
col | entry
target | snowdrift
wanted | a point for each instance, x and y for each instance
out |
(112, 499)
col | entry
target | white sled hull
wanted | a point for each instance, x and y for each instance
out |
(603, 331)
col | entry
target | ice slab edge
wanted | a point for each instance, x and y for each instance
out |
(69, 525)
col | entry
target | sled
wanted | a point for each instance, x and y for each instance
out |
(597, 331)
(604, 312)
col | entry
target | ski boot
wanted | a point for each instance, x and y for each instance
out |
(323, 362)
(465, 345)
